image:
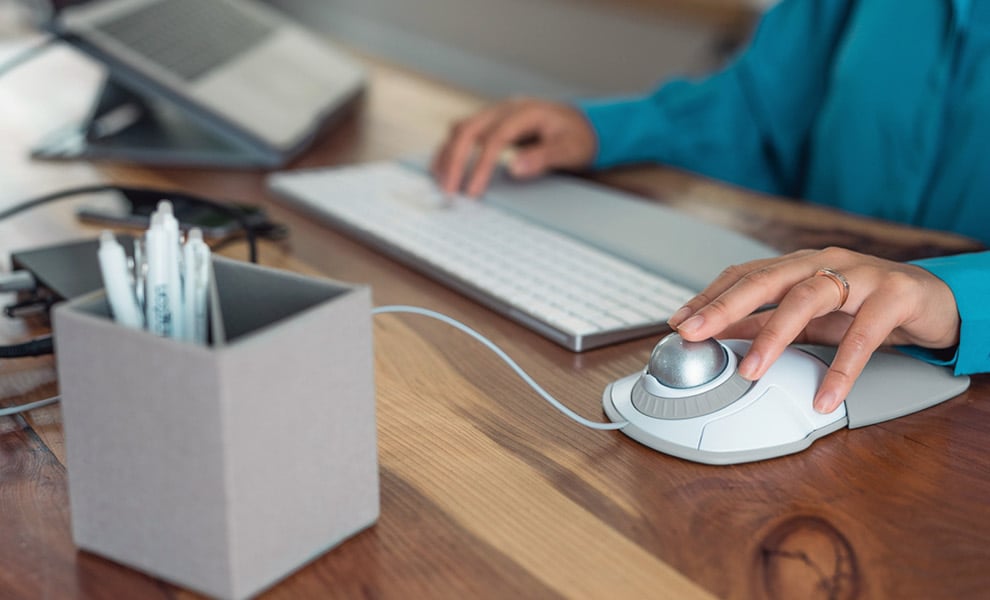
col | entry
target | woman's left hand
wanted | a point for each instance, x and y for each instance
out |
(886, 302)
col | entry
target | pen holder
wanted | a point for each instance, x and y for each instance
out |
(223, 468)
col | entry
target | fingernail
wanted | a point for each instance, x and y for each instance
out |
(691, 325)
(750, 365)
(826, 403)
(681, 314)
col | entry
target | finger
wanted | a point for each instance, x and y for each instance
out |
(812, 298)
(757, 287)
(495, 140)
(456, 152)
(871, 325)
(439, 162)
(530, 162)
(827, 330)
(747, 328)
(725, 280)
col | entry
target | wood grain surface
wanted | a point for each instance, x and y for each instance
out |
(486, 491)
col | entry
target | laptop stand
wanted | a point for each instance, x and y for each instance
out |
(126, 126)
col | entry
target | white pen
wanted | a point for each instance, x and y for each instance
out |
(116, 280)
(156, 300)
(170, 226)
(140, 271)
(195, 285)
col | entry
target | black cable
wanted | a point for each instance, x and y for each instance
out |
(250, 230)
(27, 55)
(36, 347)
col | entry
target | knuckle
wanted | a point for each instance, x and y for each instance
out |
(835, 254)
(842, 376)
(757, 276)
(719, 307)
(700, 300)
(804, 293)
(771, 336)
(733, 272)
(898, 282)
(858, 342)
(501, 137)
(461, 127)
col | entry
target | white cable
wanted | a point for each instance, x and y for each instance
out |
(13, 410)
(415, 310)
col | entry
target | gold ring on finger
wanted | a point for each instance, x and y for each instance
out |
(840, 282)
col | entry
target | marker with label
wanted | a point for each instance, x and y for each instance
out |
(116, 280)
(157, 302)
(170, 226)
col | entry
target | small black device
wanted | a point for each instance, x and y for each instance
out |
(135, 211)
(66, 270)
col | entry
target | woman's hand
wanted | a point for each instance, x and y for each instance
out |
(549, 135)
(887, 303)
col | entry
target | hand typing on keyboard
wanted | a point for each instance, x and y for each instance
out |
(547, 135)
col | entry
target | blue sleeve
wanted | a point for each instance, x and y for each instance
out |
(968, 276)
(746, 124)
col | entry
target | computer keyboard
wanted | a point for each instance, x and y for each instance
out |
(561, 287)
(187, 37)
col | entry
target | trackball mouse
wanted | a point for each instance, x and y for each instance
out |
(690, 402)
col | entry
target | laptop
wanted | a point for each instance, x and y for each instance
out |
(239, 72)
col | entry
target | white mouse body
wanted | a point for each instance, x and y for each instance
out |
(729, 420)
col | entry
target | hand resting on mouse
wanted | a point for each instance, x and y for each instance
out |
(884, 303)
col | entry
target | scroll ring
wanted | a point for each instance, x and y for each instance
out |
(840, 282)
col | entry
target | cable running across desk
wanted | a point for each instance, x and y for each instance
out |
(415, 310)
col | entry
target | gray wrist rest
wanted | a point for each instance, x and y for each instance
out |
(893, 385)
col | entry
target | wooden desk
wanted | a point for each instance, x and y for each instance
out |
(486, 490)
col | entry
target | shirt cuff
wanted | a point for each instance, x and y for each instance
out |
(967, 277)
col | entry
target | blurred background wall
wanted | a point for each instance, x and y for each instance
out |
(555, 48)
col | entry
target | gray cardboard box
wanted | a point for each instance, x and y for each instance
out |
(223, 468)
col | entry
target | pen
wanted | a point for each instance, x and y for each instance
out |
(157, 304)
(140, 266)
(195, 284)
(173, 281)
(120, 294)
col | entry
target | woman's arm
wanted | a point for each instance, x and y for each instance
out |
(747, 124)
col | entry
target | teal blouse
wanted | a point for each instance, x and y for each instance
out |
(879, 107)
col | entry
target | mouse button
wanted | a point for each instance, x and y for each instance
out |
(893, 385)
(774, 419)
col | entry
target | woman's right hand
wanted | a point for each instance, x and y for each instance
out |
(546, 135)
